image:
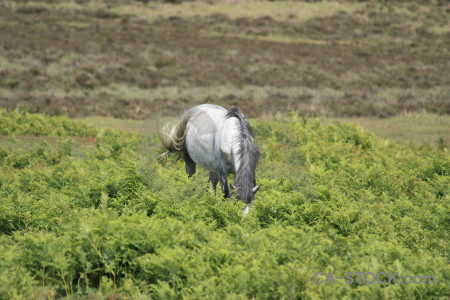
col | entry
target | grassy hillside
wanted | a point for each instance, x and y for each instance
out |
(128, 58)
(415, 130)
(410, 129)
(89, 212)
(117, 223)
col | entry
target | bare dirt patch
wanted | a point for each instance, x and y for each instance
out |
(113, 61)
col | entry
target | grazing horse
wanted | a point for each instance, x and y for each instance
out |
(220, 141)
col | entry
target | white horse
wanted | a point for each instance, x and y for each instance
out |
(220, 141)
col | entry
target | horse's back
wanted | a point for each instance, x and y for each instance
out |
(209, 137)
(214, 112)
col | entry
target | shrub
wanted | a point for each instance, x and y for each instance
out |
(118, 223)
(21, 122)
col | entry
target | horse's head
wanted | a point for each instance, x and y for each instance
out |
(245, 194)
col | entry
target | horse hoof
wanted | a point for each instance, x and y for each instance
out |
(246, 210)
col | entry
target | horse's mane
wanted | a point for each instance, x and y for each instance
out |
(248, 154)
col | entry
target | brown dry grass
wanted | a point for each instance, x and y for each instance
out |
(128, 59)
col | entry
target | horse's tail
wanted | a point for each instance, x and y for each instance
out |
(173, 136)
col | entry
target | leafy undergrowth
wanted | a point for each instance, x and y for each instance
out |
(21, 122)
(120, 224)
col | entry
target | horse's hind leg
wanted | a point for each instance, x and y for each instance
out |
(223, 177)
(214, 179)
(190, 164)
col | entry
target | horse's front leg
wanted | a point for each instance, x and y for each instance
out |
(214, 179)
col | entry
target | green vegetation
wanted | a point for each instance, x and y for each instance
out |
(91, 213)
(117, 223)
(23, 123)
(414, 130)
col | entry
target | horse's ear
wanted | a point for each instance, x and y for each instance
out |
(232, 186)
(255, 189)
